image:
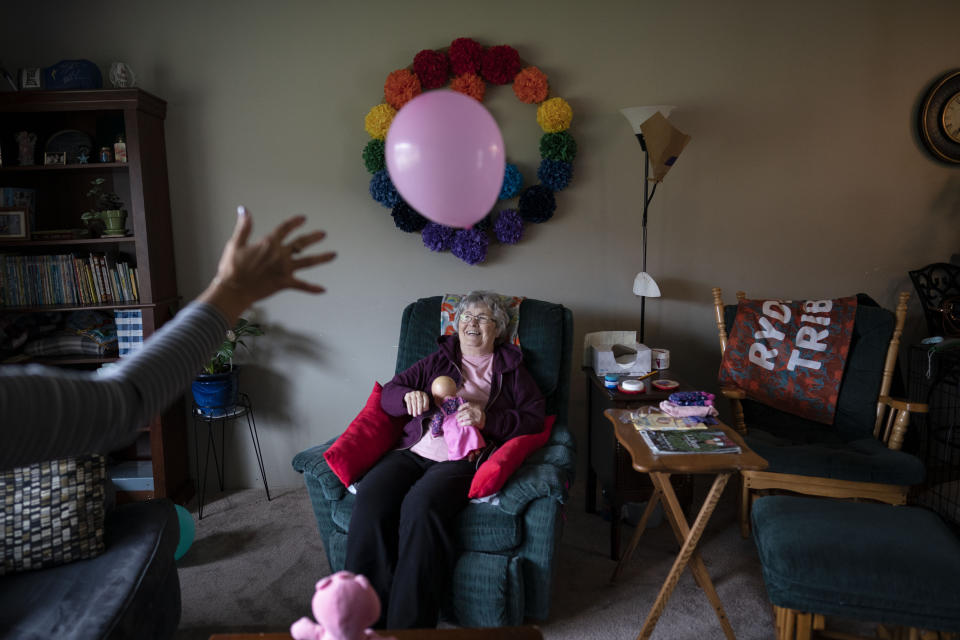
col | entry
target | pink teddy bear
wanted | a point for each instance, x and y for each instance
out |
(345, 605)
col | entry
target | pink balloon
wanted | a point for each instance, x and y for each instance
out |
(445, 156)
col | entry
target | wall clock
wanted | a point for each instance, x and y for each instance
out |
(940, 119)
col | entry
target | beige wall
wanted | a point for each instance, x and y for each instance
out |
(803, 178)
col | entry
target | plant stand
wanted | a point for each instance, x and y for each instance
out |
(243, 409)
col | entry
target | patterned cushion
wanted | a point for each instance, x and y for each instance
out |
(51, 513)
(511, 305)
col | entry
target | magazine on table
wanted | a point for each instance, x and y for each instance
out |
(689, 441)
(658, 421)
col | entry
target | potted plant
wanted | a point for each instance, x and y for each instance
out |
(108, 217)
(216, 388)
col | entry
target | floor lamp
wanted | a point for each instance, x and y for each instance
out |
(658, 139)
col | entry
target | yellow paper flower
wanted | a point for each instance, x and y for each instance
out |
(378, 120)
(554, 115)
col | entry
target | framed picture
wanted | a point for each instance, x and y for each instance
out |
(13, 223)
(55, 157)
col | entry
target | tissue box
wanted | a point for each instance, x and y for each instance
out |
(625, 359)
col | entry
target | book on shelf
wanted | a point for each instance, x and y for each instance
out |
(66, 279)
(689, 441)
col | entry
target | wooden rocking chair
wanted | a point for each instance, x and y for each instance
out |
(858, 457)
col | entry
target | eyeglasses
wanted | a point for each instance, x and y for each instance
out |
(467, 318)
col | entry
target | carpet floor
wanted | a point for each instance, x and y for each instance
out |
(253, 564)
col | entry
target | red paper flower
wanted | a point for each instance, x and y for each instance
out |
(465, 55)
(432, 68)
(500, 64)
(530, 85)
(401, 87)
(470, 84)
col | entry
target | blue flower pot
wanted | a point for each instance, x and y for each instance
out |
(215, 394)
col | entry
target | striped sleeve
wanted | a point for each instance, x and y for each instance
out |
(48, 412)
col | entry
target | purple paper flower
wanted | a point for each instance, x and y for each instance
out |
(509, 227)
(470, 245)
(537, 204)
(555, 174)
(382, 189)
(437, 237)
(406, 217)
(512, 181)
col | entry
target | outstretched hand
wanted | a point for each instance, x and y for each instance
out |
(251, 272)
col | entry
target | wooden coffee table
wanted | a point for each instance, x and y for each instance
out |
(659, 468)
(495, 633)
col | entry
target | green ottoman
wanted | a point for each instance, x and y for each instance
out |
(857, 560)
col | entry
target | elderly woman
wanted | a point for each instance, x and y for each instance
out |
(401, 529)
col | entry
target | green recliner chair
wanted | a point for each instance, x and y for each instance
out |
(505, 571)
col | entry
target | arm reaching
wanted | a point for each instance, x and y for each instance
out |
(49, 413)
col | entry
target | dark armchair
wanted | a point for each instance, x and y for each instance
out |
(505, 571)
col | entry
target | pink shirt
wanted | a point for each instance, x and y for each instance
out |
(477, 378)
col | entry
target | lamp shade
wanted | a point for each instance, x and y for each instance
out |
(644, 285)
(638, 115)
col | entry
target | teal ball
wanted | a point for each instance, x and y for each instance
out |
(187, 531)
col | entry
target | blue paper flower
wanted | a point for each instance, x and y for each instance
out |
(512, 181)
(537, 204)
(555, 174)
(437, 237)
(406, 217)
(509, 227)
(470, 245)
(382, 189)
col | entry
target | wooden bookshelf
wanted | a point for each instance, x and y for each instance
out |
(60, 199)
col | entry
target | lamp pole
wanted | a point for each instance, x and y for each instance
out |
(646, 205)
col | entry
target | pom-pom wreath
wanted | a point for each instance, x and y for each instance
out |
(401, 87)
(509, 227)
(378, 120)
(465, 55)
(470, 245)
(554, 115)
(537, 204)
(555, 174)
(470, 84)
(437, 237)
(406, 217)
(558, 146)
(530, 85)
(373, 156)
(500, 64)
(432, 68)
(382, 189)
(468, 67)
(512, 181)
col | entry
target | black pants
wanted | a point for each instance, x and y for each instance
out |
(401, 534)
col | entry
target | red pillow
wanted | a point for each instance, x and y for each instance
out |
(493, 473)
(371, 434)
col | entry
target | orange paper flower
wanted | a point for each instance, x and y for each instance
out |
(531, 86)
(401, 87)
(470, 84)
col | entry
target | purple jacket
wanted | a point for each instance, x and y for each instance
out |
(516, 406)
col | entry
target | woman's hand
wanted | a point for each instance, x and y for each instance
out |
(417, 402)
(250, 272)
(471, 414)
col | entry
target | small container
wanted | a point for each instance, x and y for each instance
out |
(610, 381)
(105, 154)
(661, 358)
(120, 149)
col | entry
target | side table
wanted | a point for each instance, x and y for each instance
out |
(660, 468)
(608, 464)
(213, 416)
